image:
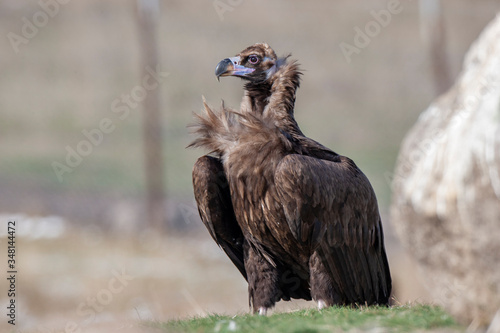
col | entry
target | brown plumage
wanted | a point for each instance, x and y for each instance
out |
(296, 219)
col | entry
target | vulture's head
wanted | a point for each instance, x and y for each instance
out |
(256, 63)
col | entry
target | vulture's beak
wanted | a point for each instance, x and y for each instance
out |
(231, 66)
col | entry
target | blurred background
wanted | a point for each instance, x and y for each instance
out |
(95, 97)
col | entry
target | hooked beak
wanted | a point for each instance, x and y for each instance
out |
(231, 66)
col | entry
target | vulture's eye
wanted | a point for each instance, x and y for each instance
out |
(253, 59)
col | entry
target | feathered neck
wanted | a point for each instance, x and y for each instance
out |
(275, 98)
(256, 97)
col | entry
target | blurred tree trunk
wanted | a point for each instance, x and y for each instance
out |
(434, 34)
(147, 16)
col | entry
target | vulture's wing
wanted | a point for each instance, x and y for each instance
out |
(331, 205)
(211, 191)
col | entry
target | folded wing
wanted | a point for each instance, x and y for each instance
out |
(330, 205)
(211, 191)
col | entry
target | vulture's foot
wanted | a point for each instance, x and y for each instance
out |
(321, 282)
(322, 304)
(262, 311)
(263, 277)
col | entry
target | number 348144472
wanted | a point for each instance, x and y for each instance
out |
(11, 252)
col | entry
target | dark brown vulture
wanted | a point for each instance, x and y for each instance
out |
(297, 219)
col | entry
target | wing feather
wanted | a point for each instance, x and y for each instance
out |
(213, 197)
(338, 196)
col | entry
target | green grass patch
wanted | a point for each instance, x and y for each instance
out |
(406, 318)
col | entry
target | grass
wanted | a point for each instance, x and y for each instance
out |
(407, 318)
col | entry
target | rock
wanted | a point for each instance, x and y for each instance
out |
(446, 188)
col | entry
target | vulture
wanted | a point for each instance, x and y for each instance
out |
(297, 219)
